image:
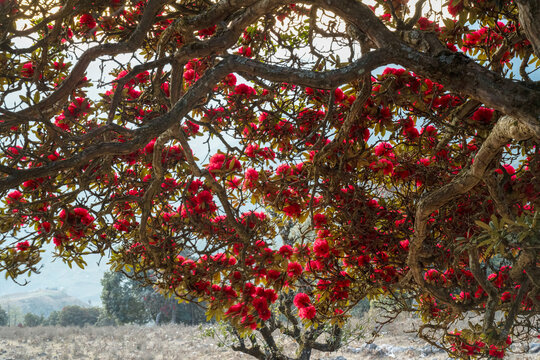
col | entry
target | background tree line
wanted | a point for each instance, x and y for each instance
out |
(124, 301)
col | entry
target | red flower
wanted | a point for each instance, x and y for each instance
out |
(235, 309)
(234, 183)
(509, 169)
(249, 321)
(495, 352)
(81, 212)
(435, 277)
(243, 89)
(292, 210)
(216, 161)
(252, 174)
(314, 265)
(14, 196)
(205, 197)
(319, 219)
(506, 296)
(483, 115)
(122, 225)
(339, 96)
(273, 274)
(58, 240)
(425, 24)
(286, 251)
(283, 170)
(302, 300)
(383, 164)
(78, 107)
(321, 248)
(87, 21)
(32, 184)
(28, 70)
(294, 269)
(251, 150)
(53, 157)
(143, 77)
(383, 149)
(261, 305)
(424, 161)
(230, 80)
(207, 32)
(430, 130)
(165, 88)
(404, 244)
(45, 226)
(411, 133)
(363, 260)
(307, 312)
(245, 51)
(23, 246)
(189, 75)
(454, 7)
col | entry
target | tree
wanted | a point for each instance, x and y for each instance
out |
(128, 301)
(420, 180)
(53, 319)
(121, 300)
(3, 317)
(33, 320)
(73, 315)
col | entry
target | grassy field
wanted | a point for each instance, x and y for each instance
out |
(186, 342)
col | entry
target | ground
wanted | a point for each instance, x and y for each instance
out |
(188, 342)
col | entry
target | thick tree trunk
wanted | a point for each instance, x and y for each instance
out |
(529, 16)
(305, 354)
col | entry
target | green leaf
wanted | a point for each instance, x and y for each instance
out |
(483, 225)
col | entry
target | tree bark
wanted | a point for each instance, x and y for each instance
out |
(529, 16)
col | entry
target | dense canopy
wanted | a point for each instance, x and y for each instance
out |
(242, 152)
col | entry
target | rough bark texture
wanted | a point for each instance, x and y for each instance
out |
(529, 15)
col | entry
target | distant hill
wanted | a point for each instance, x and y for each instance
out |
(40, 302)
(83, 284)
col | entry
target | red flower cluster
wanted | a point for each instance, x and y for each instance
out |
(207, 32)
(305, 309)
(245, 51)
(76, 109)
(220, 162)
(230, 80)
(455, 7)
(321, 248)
(87, 22)
(23, 246)
(243, 89)
(434, 277)
(28, 69)
(260, 298)
(14, 197)
(77, 221)
(294, 269)
(465, 348)
(483, 115)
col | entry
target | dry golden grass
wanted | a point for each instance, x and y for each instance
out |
(183, 342)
